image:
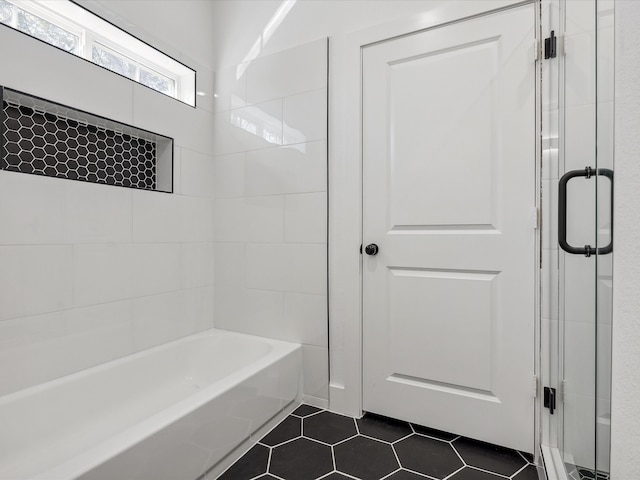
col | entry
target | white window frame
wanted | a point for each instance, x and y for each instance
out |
(97, 31)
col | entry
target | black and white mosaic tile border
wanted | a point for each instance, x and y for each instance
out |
(312, 444)
(45, 138)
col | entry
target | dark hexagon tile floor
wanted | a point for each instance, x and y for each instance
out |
(314, 444)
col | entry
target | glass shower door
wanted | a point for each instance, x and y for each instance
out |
(585, 236)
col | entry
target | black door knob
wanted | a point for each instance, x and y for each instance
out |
(371, 249)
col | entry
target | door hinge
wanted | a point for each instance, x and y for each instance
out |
(550, 399)
(537, 219)
(551, 46)
(537, 49)
(536, 385)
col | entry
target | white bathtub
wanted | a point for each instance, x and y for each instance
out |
(170, 412)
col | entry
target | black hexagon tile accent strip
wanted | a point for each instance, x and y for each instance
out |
(41, 142)
(314, 444)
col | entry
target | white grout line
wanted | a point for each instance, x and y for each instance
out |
(458, 453)
(333, 458)
(388, 475)
(269, 459)
(386, 442)
(395, 454)
(402, 438)
(335, 444)
(523, 468)
(487, 471)
(420, 474)
(453, 473)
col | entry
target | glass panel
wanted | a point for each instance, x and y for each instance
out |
(157, 82)
(586, 281)
(113, 62)
(604, 262)
(577, 271)
(48, 32)
(6, 12)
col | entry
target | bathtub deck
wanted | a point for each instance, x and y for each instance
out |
(315, 444)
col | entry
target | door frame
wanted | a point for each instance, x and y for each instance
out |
(345, 189)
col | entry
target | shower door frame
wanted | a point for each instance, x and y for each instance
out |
(553, 426)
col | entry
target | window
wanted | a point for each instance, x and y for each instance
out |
(73, 29)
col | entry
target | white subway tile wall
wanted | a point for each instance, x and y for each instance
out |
(270, 213)
(89, 273)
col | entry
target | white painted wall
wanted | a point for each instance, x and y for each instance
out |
(93, 272)
(625, 421)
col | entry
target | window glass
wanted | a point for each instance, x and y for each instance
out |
(68, 26)
(157, 81)
(39, 28)
(113, 62)
(6, 12)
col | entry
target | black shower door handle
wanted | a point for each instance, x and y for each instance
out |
(587, 250)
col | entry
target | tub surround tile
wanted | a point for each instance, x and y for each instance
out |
(315, 371)
(270, 203)
(161, 318)
(71, 281)
(26, 62)
(291, 169)
(305, 316)
(230, 219)
(305, 218)
(286, 73)
(230, 88)
(229, 174)
(156, 217)
(254, 127)
(265, 219)
(112, 262)
(35, 279)
(32, 209)
(196, 173)
(390, 449)
(196, 264)
(299, 126)
(97, 213)
(155, 268)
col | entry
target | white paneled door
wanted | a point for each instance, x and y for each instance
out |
(449, 198)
